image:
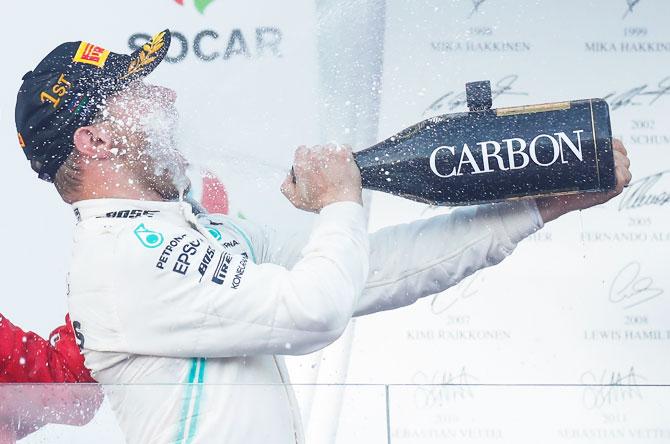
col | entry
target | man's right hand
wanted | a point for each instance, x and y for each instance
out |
(551, 207)
(322, 175)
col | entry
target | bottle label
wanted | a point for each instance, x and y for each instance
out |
(514, 153)
(497, 154)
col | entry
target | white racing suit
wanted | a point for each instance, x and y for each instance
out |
(202, 308)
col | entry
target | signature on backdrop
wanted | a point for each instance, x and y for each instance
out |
(630, 7)
(476, 4)
(452, 100)
(644, 94)
(646, 191)
(610, 387)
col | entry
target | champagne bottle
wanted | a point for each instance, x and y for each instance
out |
(488, 155)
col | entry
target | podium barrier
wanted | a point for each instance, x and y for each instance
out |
(416, 413)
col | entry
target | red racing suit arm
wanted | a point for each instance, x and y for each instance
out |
(25, 357)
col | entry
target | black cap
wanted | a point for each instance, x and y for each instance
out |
(478, 95)
(65, 90)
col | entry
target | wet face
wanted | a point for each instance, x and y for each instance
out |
(142, 121)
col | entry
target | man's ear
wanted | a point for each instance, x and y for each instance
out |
(93, 141)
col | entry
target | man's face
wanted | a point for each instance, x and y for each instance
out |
(142, 120)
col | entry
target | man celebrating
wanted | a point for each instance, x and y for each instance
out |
(166, 297)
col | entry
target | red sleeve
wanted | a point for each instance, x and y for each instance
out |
(25, 357)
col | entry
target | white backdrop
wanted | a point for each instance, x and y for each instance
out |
(585, 300)
(589, 291)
